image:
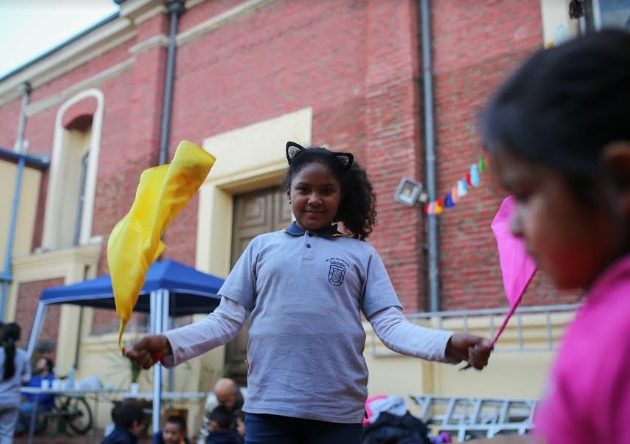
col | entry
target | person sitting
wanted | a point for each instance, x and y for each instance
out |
(227, 393)
(222, 427)
(173, 432)
(44, 401)
(128, 418)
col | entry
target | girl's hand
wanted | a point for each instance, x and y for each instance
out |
(149, 350)
(466, 347)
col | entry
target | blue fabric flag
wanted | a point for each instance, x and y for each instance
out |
(474, 175)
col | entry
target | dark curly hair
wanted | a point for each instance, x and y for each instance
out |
(357, 209)
(126, 413)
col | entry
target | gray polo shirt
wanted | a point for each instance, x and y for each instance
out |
(306, 293)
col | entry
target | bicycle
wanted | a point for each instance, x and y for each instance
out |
(69, 412)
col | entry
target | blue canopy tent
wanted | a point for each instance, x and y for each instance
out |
(170, 289)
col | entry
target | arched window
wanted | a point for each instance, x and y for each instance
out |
(74, 164)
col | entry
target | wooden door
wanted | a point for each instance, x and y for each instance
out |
(255, 213)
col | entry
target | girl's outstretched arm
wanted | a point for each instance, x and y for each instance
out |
(401, 336)
(184, 343)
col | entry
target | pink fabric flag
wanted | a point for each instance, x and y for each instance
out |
(518, 268)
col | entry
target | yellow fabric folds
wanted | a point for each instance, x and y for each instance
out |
(135, 240)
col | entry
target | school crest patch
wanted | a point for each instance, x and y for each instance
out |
(335, 275)
(336, 271)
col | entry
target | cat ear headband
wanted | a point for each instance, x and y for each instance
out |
(293, 149)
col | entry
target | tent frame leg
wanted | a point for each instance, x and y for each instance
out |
(36, 329)
(159, 321)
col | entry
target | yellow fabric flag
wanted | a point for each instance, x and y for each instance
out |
(135, 240)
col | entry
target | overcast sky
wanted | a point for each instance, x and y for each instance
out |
(29, 28)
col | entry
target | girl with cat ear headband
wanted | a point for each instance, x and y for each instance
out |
(306, 291)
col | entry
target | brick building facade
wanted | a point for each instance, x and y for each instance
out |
(357, 64)
(354, 64)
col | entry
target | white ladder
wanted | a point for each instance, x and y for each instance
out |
(472, 418)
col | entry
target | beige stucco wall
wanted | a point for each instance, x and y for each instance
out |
(557, 25)
(27, 208)
(404, 376)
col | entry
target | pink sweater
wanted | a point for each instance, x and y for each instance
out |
(588, 398)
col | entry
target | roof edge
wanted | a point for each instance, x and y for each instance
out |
(59, 47)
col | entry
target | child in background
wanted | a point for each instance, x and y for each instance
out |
(15, 370)
(173, 432)
(223, 427)
(559, 133)
(128, 418)
(305, 290)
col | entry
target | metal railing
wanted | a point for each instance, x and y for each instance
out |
(531, 329)
(471, 418)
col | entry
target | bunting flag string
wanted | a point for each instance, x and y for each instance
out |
(470, 180)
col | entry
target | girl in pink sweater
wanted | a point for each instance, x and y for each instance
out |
(559, 133)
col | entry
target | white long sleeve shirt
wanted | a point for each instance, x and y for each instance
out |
(223, 324)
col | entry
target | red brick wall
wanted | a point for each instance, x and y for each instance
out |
(28, 297)
(475, 47)
(287, 56)
(9, 115)
(393, 129)
(356, 63)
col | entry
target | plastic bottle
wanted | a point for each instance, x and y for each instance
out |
(441, 438)
(70, 379)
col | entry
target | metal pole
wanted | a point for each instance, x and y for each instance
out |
(167, 325)
(77, 349)
(157, 317)
(175, 9)
(37, 326)
(164, 301)
(429, 142)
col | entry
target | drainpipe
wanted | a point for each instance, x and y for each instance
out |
(175, 9)
(429, 153)
(20, 149)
